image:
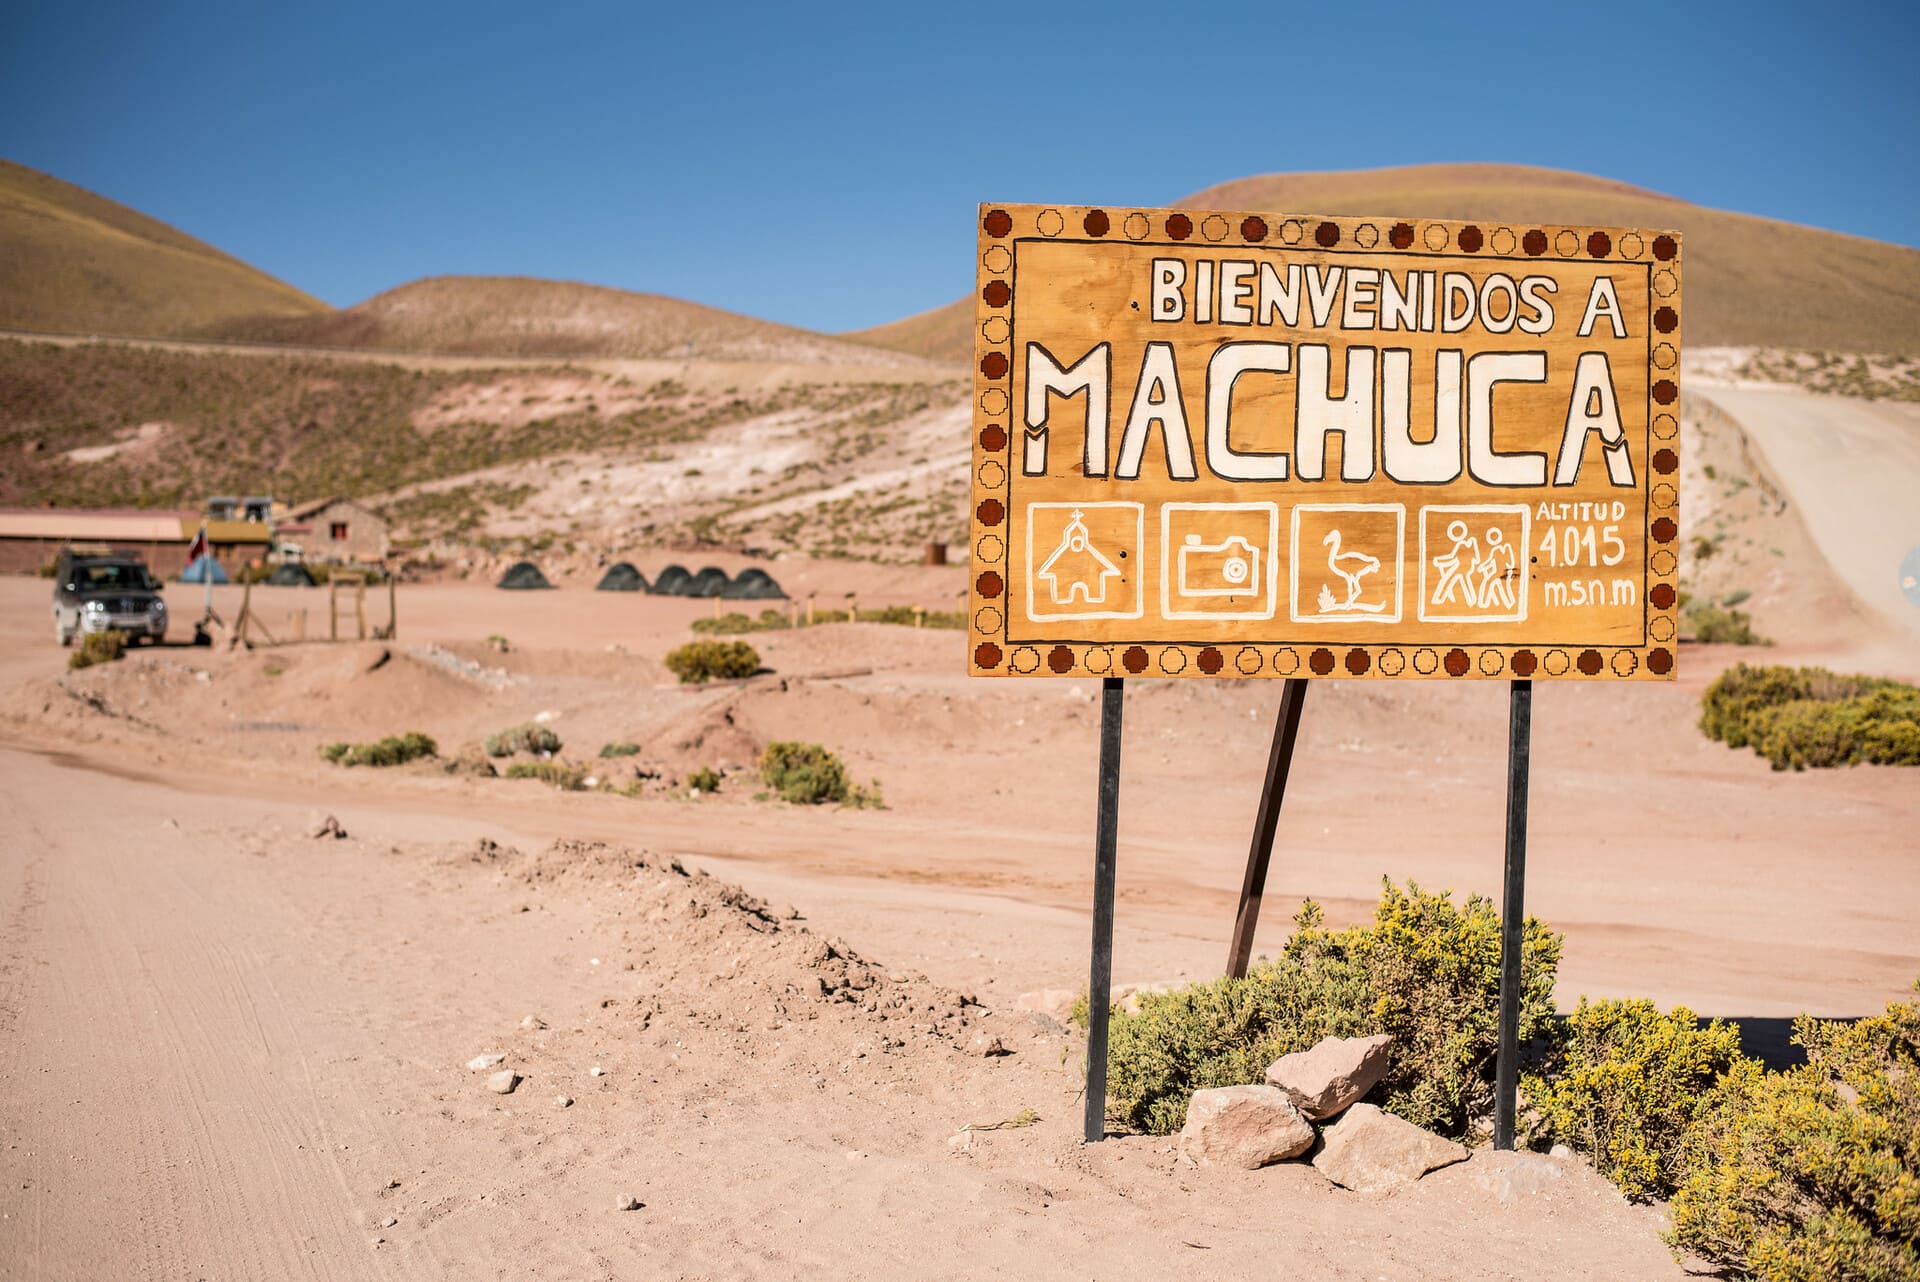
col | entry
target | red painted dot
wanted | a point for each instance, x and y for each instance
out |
(1134, 660)
(991, 512)
(1660, 662)
(1524, 663)
(1321, 661)
(993, 437)
(1660, 596)
(1471, 239)
(1589, 662)
(1095, 222)
(1534, 242)
(1664, 529)
(989, 584)
(994, 365)
(1358, 661)
(1599, 245)
(1401, 236)
(1060, 659)
(1664, 461)
(1665, 319)
(1664, 391)
(998, 223)
(1253, 229)
(986, 655)
(1179, 227)
(1457, 662)
(996, 293)
(1327, 235)
(1664, 248)
(1210, 661)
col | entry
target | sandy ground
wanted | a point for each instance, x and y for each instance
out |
(231, 1050)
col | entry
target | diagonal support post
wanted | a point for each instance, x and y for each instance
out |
(1286, 729)
(1105, 841)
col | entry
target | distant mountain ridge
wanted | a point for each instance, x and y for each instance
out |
(75, 262)
(525, 316)
(1750, 281)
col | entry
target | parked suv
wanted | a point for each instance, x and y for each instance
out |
(95, 593)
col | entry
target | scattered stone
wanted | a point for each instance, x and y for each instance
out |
(532, 1022)
(1510, 1176)
(1244, 1126)
(628, 1203)
(1055, 1003)
(563, 1101)
(487, 1060)
(503, 1082)
(328, 827)
(596, 1071)
(1561, 1153)
(1371, 1151)
(1336, 1072)
(388, 1223)
(961, 1141)
(986, 1046)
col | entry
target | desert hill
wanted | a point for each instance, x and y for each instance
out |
(522, 316)
(75, 262)
(1751, 282)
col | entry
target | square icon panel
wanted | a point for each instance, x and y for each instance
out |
(1347, 562)
(1083, 560)
(1218, 560)
(1474, 563)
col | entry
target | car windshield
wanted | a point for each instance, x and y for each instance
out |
(112, 577)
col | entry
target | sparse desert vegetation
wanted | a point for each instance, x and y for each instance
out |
(698, 662)
(97, 647)
(1801, 717)
(394, 750)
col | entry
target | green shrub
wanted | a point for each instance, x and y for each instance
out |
(705, 779)
(806, 774)
(1623, 1084)
(1425, 971)
(1814, 1173)
(1800, 717)
(561, 774)
(97, 647)
(735, 621)
(622, 748)
(698, 662)
(394, 750)
(1711, 625)
(529, 736)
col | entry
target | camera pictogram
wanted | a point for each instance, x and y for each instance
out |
(1226, 568)
(1217, 560)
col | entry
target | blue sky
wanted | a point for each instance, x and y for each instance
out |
(819, 164)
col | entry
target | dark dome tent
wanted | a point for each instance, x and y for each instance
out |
(621, 577)
(671, 581)
(289, 575)
(753, 584)
(711, 581)
(524, 576)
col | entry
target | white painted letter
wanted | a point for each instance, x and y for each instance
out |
(1317, 413)
(1235, 286)
(1593, 388)
(1602, 301)
(1483, 463)
(1413, 462)
(1157, 399)
(1455, 286)
(1229, 362)
(1278, 298)
(1322, 284)
(1532, 288)
(1169, 304)
(1090, 374)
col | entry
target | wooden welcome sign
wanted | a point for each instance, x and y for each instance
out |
(1262, 445)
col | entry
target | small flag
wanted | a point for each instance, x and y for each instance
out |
(197, 548)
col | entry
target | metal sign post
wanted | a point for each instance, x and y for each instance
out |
(1286, 729)
(1106, 837)
(1513, 911)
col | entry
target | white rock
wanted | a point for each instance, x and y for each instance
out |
(503, 1082)
(1370, 1151)
(986, 1045)
(487, 1060)
(628, 1203)
(596, 1071)
(1561, 1153)
(563, 1101)
(1333, 1074)
(388, 1223)
(1244, 1126)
